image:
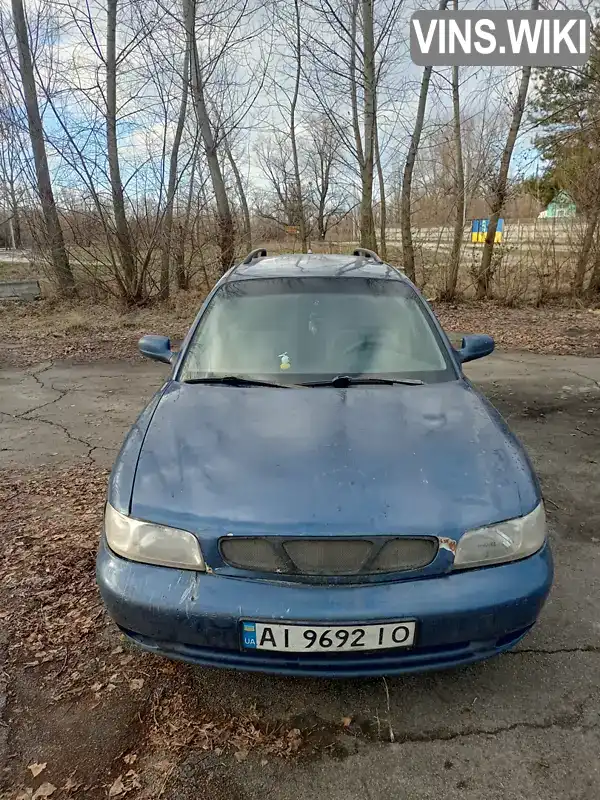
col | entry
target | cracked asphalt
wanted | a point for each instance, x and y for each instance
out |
(57, 413)
(525, 725)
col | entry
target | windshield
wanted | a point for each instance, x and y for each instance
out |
(294, 330)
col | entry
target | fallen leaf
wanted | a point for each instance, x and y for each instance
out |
(45, 790)
(263, 762)
(117, 788)
(137, 683)
(70, 785)
(346, 721)
(36, 769)
(134, 780)
(25, 795)
(130, 758)
(95, 687)
(162, 766)
(240, 755)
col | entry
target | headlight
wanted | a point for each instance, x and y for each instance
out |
(150, 543)
(505, 541)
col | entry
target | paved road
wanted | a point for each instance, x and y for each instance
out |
(526, 725)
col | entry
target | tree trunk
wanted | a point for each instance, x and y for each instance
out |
(354, 84)
(594, 286)
(368, 237)
(226, 231)
(60, 259)
(321, 226)
(485, 274)
(459, 222)
(408, 250)
(382, 201)
(172, 186)
(133, 291)
(16, 218)
(239, 185)
(181, 275)
(297, 180)
(584, 254)
(367, 223)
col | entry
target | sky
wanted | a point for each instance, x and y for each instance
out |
(250, 86)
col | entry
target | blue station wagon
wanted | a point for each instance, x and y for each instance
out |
(318, 489)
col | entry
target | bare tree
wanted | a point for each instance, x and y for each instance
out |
(350, 46)
(459, 222)
(408, 250)
(226, 230)
(293, 140)
(498, 198)
(173, 179)
(367, 222)
(182, 274)
(11, 150)
(330, 198)
(285, 87)
(275, 159)
(241, 193)
(60, 260)
(125, 244)
(382, 200)
(435, 179)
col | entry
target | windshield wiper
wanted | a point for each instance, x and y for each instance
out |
(237, 380)
(342, 381)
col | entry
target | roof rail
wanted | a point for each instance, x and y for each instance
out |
(367, 254)
(254, 255)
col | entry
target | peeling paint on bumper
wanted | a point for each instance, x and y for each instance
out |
(462, 617)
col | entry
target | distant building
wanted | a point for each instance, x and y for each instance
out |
(561, 206)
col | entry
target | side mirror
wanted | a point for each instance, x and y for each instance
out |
(158, 348)
(475, 346)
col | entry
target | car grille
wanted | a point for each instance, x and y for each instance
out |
(328, 557)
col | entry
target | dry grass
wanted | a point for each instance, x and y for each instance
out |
(83, 330)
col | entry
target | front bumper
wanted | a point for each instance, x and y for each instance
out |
(462, 617)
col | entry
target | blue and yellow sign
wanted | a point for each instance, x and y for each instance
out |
(479, 229)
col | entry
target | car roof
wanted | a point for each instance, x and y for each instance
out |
(314, 265)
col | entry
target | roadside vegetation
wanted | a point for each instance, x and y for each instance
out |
(143, 148)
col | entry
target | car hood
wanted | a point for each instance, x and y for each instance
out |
(432, 459)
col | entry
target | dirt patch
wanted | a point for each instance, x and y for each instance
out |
(100, 715)
(83, 331)
(551, 329)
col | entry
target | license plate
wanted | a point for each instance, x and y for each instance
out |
(332, 638)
